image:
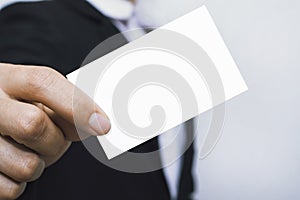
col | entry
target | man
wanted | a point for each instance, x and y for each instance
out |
(36, 109)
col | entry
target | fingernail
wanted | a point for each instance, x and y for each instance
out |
(99, 124)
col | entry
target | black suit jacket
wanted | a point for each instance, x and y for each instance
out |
(60, 34)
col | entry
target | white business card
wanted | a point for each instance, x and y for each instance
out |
(161, 80)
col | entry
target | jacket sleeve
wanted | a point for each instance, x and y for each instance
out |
(28, 35)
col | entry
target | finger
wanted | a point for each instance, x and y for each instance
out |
(10, 189)
(69, 130)
(18, 162)
(30, 126)
(44, 85)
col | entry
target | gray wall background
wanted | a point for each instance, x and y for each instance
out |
(258, 156)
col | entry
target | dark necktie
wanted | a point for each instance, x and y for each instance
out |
(186, 184)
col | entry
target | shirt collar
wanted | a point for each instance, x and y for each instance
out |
(114, 9)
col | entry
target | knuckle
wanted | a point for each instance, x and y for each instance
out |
(14, 191)
(54, 152)
(32, 124)
(31, 168)
(59, 150)
(39, 78)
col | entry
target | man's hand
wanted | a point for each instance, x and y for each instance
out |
(37, 109)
